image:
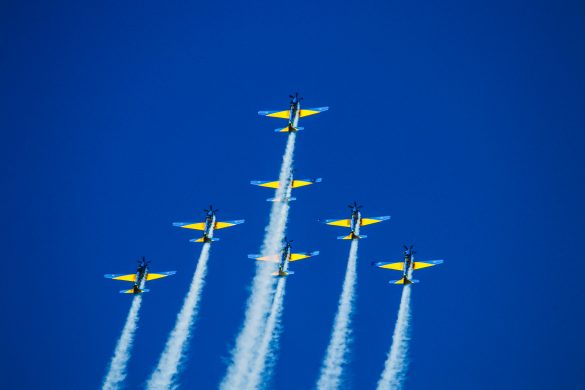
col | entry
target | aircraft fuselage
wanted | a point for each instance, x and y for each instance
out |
(408, 261)
(140, 278)
(295, 110)
(355, 221)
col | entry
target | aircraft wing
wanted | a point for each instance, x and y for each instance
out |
(267, 184)
(271, 258)
(158, 275)
(369, 221)
(126, 278)
(397, 266)
(190, 225)
(301, 256)
(285, 114)
(312, 111)
(338, 222)
(305, 182)
(426, 263)
(226, 224)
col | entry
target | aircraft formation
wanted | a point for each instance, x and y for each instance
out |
(285, 256)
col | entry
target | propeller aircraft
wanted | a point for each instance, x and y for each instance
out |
(139, 278)
(284, 258)
(291, 183)
(407, 266)
(210, 224)
(354, 222)
(293, 114)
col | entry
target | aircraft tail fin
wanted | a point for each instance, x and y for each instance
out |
(204, 239)
(404, 280)
(281, 199)
(352, 236)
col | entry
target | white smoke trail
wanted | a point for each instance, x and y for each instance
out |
(394, 372)
(172, 357)
(117, 370)
(244, 354)
(266, 357)
(335, 358)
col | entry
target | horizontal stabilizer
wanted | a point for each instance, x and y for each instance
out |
(281, 199)
(204, 239)
(352, 236)
(283, 273)
(295, 183)
(404, 280)
(288, 129)
(132, 291)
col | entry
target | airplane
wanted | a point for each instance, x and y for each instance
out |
(207, 225)
(284, 258)
(293, 114)
(407, 266)
(355, 222)
(139, 278)
(293, 184)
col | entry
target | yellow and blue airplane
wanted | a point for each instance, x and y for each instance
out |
(407, 266)
(293, 183)
(206, 225)
(355, 221)
(139, 278)
(293, 114)
(284, 258)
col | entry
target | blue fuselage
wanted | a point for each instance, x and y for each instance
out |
(407, 263)
(141, 273)
(355, 220)
(295, 110)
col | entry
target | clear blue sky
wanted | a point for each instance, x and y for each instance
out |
(463, 120)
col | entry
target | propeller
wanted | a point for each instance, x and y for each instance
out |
(355, 206)
(406, 248)
(296, 96)
(211, 210)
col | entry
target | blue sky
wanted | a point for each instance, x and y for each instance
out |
(462, 121)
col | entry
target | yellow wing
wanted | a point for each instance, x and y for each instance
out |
(155, 276)
(281, 114)
(399, 266)
(126, 278)
(312, 111)
(301, 183)
(226, 224)
(426, 264)
(301, 256)
(271, 258)
(194, 226)
(269, 184)
(339, 222)
(369, 221)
